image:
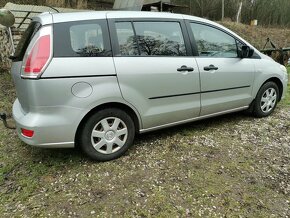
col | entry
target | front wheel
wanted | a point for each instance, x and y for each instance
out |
(107, 134)
(266, 100)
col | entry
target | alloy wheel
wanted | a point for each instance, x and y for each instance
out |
(268, 100)
(109, 135)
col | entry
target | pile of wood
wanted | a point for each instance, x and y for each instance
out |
(5, 49)
(5, 45)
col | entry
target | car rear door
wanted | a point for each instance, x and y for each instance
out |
(226, 79)
(156, 71)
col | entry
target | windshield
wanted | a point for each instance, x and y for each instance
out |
(25, 40)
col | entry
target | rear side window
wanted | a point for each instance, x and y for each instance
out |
(126, 39)
(212, 42)
(160, 38)
(25, 40)
(81, 39)
(150, 39)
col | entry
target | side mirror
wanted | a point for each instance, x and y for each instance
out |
(246, 52)
(7, 19)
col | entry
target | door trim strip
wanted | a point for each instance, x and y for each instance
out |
(194, 93)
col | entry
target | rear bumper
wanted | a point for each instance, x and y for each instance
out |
(54, 127)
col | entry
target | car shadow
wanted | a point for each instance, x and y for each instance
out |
(67, 155)
(193, 126)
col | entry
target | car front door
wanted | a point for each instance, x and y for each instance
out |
(155, 71)
(226, 79)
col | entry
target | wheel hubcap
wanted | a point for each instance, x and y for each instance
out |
(109, 135)
(268, 100)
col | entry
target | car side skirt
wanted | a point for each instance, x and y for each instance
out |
(193, 119)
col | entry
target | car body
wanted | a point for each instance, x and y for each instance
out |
(76, 72)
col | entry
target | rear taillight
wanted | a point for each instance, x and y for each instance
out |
(27, 133)
(38, 56)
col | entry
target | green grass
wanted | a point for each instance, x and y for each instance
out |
(287, 98)
(7, 93)
(234, 166)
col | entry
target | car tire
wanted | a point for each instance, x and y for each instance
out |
(107, 134)
(266, 100)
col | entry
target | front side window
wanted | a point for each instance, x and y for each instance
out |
(212, 42)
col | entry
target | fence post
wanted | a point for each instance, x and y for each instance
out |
(223, 10)
(239, 11)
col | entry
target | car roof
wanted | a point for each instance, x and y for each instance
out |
(47, 18)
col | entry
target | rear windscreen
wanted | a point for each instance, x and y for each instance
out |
(25, 40)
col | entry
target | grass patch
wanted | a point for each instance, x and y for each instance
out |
(257, 36)
(7, 93)
(233, 165)
(286, 101)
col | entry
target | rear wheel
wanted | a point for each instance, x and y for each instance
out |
(107, 134)
(266, 100)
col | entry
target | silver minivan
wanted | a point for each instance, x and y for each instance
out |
(95, 79)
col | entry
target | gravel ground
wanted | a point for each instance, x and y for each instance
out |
(228, 166)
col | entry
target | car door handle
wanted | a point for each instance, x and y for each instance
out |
(185, 68)
(210, 67)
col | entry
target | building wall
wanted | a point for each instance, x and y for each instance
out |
(76, 4)
(80, 4)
